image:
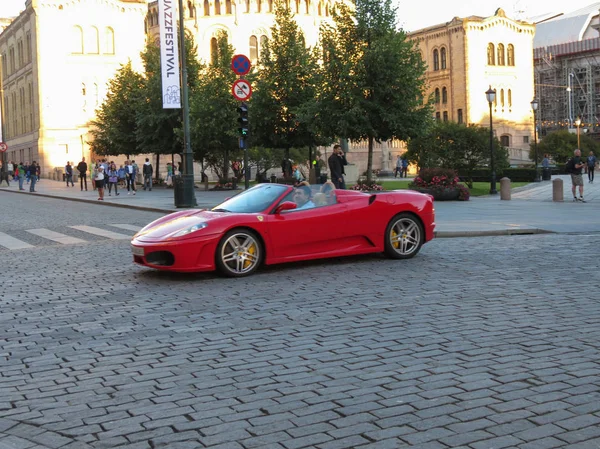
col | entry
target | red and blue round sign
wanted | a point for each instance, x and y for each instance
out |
(240, 64)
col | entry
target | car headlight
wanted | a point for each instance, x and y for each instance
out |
(191, 229)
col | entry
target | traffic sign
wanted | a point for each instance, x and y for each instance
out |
(241, 90)
(3, 147)
(240, 64)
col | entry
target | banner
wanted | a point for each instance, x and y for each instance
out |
(169, 54)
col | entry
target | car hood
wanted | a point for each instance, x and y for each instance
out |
(167, 227)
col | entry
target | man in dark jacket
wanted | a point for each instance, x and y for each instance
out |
(336, 162)
(82, 168)
(147, 172)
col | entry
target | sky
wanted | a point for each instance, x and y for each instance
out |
(413, 15)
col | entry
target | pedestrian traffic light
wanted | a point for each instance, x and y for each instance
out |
(243, 120)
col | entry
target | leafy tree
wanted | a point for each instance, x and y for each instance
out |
(114, 130)
(372, 78)
(561, 144)
(456, 146)
(213, 112)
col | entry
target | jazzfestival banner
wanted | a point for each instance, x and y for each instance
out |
(169, 54)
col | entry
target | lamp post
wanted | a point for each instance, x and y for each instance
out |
(3, 171)
(534, 107)
(578, 124)
(490, 95)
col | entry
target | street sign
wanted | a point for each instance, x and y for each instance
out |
(3, 147)
(241, 90)
(240, 64)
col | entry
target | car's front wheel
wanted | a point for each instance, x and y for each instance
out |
(239, 253)
(403, 236)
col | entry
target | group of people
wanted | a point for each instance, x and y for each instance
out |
(22, 172)
(305, 198)
(401, 167)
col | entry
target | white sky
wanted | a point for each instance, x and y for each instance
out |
(413, 15)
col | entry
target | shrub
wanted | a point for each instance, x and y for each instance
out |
(363, 186)
(440, 181)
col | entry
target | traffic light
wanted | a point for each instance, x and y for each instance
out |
(243, 120)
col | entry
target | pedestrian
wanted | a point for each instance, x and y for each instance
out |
(147, 172)
(21, 175)
(574, 167)
(69, 174)
(33, 176)
(398, 167)
(82, 168)
(169, 180)
(546, 161)
(100, 182)
(122, 175)
(336, 163)
(405, 167)
(130, 173)
(11, 169)
(297, 175)
(27, 171)
(591, 165)
(113, 178)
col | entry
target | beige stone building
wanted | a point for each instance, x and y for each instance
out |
(56, 58)
(465, 57)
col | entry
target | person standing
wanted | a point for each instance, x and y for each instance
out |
(336, 163)
(82, 168)
(398, 167)
(113, 178)
(574, 167)
(21, 175)
(169, 180)
(130, 173)
(69, 174)
(591, 165)
(99, 178)
(405, 167)
(33, 176)
(11, 169)
(147, 172)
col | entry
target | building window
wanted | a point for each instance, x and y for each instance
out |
(319, 8)
(206, 8)
(445, 116)
(258, 6)
(253, 49)
(270, 5)
(4, 63)
(191, 9)
(510, 54)
(436, 60)
(228, 8)
(217, 7)
(11, 57)
(525, 139)
(109, 41)
(263, 43)
(20, 54)
(502, 98)
(491, 54)
(438, 116)
(437, 95)
(459, 114)
(77, 40)
(92, 41)
(28, 44)
(501, 54)
(505, 140)
(214, 51)
(247, 6)
(444, 95)
(307, 6)
(509, 94)
(443, 58)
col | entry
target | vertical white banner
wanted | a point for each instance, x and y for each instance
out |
(169, 54)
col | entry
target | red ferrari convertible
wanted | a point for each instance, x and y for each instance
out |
(274, 223)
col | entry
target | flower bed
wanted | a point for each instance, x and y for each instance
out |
(363, 186)
(441, 183)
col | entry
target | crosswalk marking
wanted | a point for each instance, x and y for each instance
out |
(102, 232)
(128, 227)
(55, 236)
(9, 242)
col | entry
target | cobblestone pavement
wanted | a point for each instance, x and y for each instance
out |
(476, 343)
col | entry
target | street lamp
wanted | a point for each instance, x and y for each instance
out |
(578, 124)
(534, 106)
(491, 96)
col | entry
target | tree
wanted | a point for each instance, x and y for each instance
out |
(456, 146)
(114, 130)
(561, 144)
(213, 112)
(373, 78)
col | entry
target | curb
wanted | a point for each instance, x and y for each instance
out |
(492, 233)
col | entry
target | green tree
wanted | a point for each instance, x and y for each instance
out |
(213, 112)
(372, 79)
(561, 144)
(456, 146)
(114, 130)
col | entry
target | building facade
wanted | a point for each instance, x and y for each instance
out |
(468, 55)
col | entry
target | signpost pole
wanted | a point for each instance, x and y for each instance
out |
(242, 91)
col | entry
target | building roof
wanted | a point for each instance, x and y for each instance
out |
(563, 28)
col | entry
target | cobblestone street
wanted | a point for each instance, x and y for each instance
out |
(488, 342)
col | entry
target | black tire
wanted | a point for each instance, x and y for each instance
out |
(239, 253)
(404, 236)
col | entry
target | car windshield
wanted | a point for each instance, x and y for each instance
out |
(253, 200)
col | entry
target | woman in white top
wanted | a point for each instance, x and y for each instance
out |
(100, 182)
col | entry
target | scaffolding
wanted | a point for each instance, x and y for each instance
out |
(567, 84)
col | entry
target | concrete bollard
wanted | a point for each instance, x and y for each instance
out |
(557, 190)
(505, 189)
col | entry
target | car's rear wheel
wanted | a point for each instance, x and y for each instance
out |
(239, 253)
(404, 236)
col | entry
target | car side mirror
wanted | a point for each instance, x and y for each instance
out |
(287, 205)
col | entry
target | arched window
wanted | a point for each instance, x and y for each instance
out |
(206, 8)
(320, 8)
(92, 41)
(253, 49)
(109, 41)
(443, 57)
(76, 40)
(326, 10)
(228, 9)
(510, 53)
(270, 5)
(258, 6)
(217, 7)
(191, 9)
(509, 93)
(263, 42)
(436, 60)
(491, 54)
(437, 95)
(247, 6)
(500, 54)
(214, 50)
(502, 98)
(307, 6)
(444, 95)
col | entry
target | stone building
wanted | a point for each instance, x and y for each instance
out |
(468, 55)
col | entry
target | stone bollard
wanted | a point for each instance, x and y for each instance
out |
(557, 190)
(505, 189)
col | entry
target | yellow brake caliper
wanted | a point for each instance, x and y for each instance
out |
(251, 250)
(396, 242)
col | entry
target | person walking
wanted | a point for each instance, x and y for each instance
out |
(574, 167)
(11, 169)
(398, 167)
(33, 176)
(404, 167)
(21, 175)
(113, 179)
(69, 174)
(99, 178)
(147, 172)
(122, 174)
(591, 165)
(169, 180)
(82, 168)
(336, 163)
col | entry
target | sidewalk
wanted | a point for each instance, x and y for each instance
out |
(531, 209)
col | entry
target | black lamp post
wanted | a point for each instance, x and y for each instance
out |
(491, 96)
(534, 107)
